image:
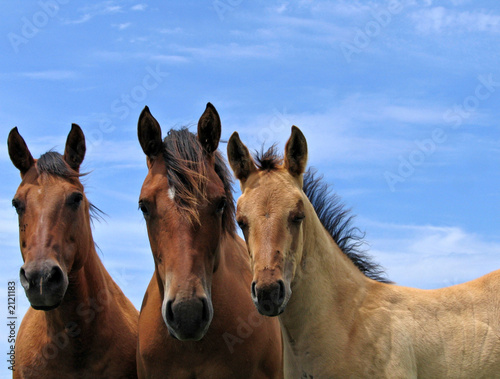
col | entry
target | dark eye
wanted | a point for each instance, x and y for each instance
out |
(221, 206)
(74, 200)
(242, 224)
(143, 207)
(18, 205)
(298, 218)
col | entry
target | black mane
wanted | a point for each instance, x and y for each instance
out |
(187, 174)
(337, 221)
(269, 159)
(53, 163)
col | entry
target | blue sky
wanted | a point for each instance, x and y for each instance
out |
(399, 102)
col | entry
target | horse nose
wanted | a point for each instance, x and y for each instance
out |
(270, 298)
(44, 283)
(188, 319)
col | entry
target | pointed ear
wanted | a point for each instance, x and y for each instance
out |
(19, 152)
(239, 158)
(149, 133)
(74, 151)
(296, 153)
(209, 129)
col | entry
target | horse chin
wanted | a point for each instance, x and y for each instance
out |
(45, 302)
(268, 310)
(45, 307)
(182, 336)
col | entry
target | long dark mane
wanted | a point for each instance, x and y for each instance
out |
(336, 219)
(187, 173)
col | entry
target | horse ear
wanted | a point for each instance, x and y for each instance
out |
(296, 153)
(149, 133)
(209, 129)
(74, 151)
(239, 158)
(19, 152)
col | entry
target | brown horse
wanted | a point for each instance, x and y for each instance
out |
(340, 322)
(80, 324)
(197, 319)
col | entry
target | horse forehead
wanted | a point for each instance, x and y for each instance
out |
(271, 190)
(47, 186)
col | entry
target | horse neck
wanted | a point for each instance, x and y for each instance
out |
(89, 291)
(327, 286)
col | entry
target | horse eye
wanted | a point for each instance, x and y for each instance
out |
(297, 219)
(74, 199)
(18, 205)
(242, 224)
(221, 206)
(143, 207)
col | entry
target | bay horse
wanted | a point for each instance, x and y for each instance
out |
(344, 319)
(197, 318)
(80, 324)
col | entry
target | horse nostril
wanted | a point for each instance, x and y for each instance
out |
(205, 311)
(254, 291)
(169, 313)
(24, 280)
(55, 275)
(281, 291)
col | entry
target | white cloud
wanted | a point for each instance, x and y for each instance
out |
(84, 18)
(427, 256)
(99, 9)
(139, 7)
(441, 20)
(122, 26)
(50, 75)
(231, 50)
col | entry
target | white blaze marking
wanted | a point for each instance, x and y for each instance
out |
(171, 193)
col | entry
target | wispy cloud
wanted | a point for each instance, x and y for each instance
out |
(436, 255)
(99, 9)
(50, 75)
(444, 20)
(139, 7)
(122, 26)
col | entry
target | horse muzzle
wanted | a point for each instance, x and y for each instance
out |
(188, 320)
(45, 284)
(270, 299)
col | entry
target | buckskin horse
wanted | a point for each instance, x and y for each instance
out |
(197, 318)
(343, 320)
(80, 324)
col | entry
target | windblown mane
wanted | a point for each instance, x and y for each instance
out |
(268, 160)
(187, 174)
(53, 163)
(337, 221)
(332, 213)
